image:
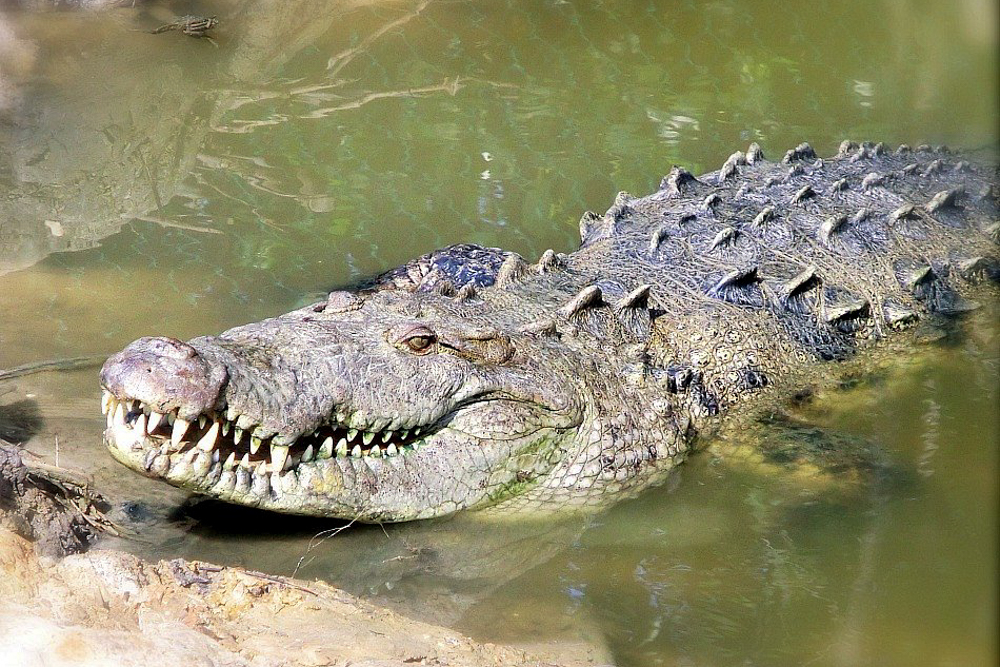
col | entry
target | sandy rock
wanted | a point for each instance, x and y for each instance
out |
(110, 608)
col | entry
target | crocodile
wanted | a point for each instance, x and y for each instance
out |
(470, 378)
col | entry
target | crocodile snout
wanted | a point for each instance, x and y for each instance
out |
(166, 374)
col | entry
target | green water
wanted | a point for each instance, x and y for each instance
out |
(158, 184)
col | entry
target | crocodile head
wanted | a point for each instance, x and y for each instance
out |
(388, 406)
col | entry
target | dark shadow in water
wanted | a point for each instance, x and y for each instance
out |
(211, 518)
(20, 421)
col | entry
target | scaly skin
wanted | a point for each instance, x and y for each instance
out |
(469, 379)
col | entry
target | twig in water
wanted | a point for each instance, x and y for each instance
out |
(73, 363)
(324, 535)
(177, 225)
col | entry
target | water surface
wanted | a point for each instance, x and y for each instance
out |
(157, 184)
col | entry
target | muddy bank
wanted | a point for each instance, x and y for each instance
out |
(110, 608)
(52, 507)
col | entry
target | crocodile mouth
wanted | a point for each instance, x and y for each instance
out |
(211, 443)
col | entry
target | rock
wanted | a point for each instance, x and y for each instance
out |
(112, 609)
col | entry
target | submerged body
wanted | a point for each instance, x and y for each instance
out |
(469, 378)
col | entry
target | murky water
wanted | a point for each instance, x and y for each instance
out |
(162, 184)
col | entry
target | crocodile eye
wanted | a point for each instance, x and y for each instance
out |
(415, 339)
(420, 343)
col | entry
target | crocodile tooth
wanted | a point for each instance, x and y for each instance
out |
(326, 449)
(180, 428)
(231, 414)
(225, 427)
(375, 451)
(391, 450)
(119, 415)
(170, 418)
(202, 420)
(202, 464)
(279, 454)
(367, 438)
(356, 452)
(207, 442)
(227, 481)
(255, 443)
(307, 455)
(404, 434)
(216, 456)
(230, 461)
(260, 485)
(386, 436)
(243, 480)
(154, 421)
(245, 461)
(161, 466)
(261, 469)
(140, 424)
(237, 435)
(342, 447)
(352, 433)
(106, 399)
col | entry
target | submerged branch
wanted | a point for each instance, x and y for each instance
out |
(73, 363)
(177, 225)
